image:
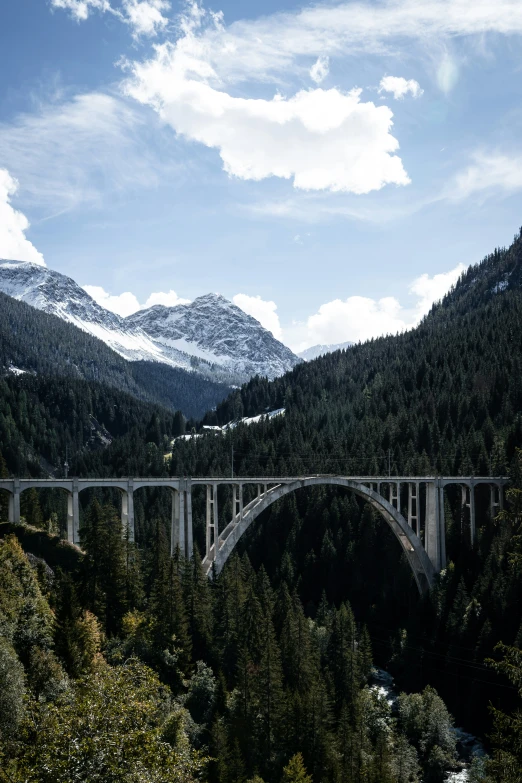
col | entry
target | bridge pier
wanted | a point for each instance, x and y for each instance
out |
(237, 501)
(496, 500)
(435, 530)
(14, 503)
(468, 501)
(181, 520)
(413, 506)
(394, 494)
(73, 516)
(212, 523)
(127, 512)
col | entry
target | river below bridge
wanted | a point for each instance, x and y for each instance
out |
(468, 746)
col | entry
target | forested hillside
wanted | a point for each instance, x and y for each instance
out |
(39, 343)
(126, 672)
(267, 668)
(100, 429)
(445, 397)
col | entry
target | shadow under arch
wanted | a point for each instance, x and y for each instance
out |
(420, 564)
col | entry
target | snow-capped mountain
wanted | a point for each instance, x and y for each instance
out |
(59, 295)
(321, 350)
(212, 329)
(210, 336)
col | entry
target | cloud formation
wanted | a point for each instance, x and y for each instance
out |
(360, 318)
(400, 87)
(14, 245)
(432, 289)
(81, 9)
(320, 69)
(273, 45)
(127, 303)
(488, 173)
(145, 17)
(83, 150)
(321, 139)
(263, 311)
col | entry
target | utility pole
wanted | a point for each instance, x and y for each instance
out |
(389, 463)
(66, 464)
(232, 461)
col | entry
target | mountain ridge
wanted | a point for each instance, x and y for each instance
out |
(321, 349)
(245, 348)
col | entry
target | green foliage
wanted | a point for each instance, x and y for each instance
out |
(12, 690)
(41, 343)
(108, 727)
(506, 764)
(25, 617)
(295, 771)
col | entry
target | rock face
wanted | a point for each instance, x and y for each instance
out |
(211, 336)
(212, 329)
(320, 350)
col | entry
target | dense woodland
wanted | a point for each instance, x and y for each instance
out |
(265, 672)
(44, 345)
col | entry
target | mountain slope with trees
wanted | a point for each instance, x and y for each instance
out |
(445, 397)
(41, 343)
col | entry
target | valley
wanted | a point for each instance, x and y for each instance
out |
(269, 663)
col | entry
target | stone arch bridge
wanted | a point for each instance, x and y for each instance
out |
(412, 506)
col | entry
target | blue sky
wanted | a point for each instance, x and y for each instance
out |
(330, 167)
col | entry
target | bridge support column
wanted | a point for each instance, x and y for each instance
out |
(237, 502)
(189, 541)
(413, 506)
(14, 504)
(468, 501)
(181, 520)
(442, 527)
(495, 499)
(212, 526)
(435, 532)
(127, 512)
(177, 530)
(73, 516)
(393, 494)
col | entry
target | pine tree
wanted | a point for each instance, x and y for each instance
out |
(295, 771)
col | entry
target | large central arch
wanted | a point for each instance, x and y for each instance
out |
(418, 559)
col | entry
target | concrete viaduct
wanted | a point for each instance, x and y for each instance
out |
(420, 530)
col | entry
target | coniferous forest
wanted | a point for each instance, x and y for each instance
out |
(119, 662)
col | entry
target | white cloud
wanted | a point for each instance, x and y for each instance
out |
(168, 298)
(127, 303)
(488, 173)
(84, 150)
(14, 245)
(263, 311)
(274, 45)
(360, 318)
(80, 9)
(356, 318)
(320, 69)
(400, 87)
(432, 289)
(146, 17)
(122, 304)
(322, 139)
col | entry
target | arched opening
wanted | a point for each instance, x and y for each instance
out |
(5, 502)
(422, 569)
(46, 508)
